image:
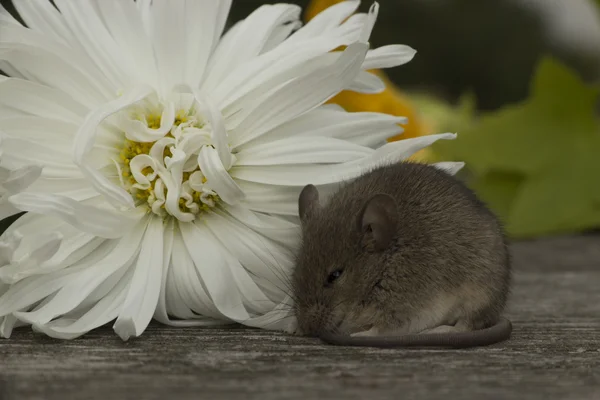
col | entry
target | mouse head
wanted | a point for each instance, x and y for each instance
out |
(341, 262)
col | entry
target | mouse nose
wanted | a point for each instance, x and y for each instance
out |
(311, 321)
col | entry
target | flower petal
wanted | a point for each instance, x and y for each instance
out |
(84, 20)
(300, 95)
(254, 274)
(144, 291)
(84, 142)
(18, 153)
(326, 20)
(21, 97)
(169, 41)
(124, 22)
(246, 40)
(269, 263)
(362, 128)
(13, 182)
(265, 72)
(300, 175)
(212, 264)
(189, 302)
(72, 249)
(217, 176)
(450, 167)
(389, 56)
(302, 150)
(28, 292)
(105, 223)
(189, 285)
(368, 83)
(274, 228)
(104, 311)
(205, 20)
(270, 199)
(82, 285)
(54, 64)
(43, 17)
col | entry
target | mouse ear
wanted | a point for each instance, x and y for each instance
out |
(308, 202)
(378, 220)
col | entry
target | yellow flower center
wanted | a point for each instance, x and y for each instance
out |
(148, 174)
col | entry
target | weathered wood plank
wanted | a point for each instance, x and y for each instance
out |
(554, 352)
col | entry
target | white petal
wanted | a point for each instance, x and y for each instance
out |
(300, 95)
(53, 133)
(20, 97)
(45, 246)
(368, 83)
(217, 176)
(19, 179)
(214, 270)
(144, 291)
(326, 20)
(18, 153)
(281, 318)
(246, 40)
(72, 249)
(302, 150)
(6, 17)
(104, 311)
(169, 40)
(86, 23)
(81, 286)
(218, 133)
(77, 189)
(189, 302)
(105, 223)
(195, 300)
(450, 167)
(248, 267)
(300, 175)
(205, 20)
(124, 22)
(290, 60)
(84, 142)
(367, 28)
(27, 292)
(53, 64)
(43, 17)
(274, 228)
(363, 128)
(270, 199)
(389, 56)
(269, 263)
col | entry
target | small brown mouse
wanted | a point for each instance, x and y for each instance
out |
(402, 256)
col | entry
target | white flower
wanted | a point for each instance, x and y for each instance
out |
(173, 156)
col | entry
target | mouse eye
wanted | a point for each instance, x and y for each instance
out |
(334, 276)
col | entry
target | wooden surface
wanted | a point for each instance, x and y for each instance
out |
(554, 353)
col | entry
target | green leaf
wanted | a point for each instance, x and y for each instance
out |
(537, 163)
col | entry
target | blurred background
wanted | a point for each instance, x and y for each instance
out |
(516, 79)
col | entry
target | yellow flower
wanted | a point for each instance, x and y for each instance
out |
(390, 101)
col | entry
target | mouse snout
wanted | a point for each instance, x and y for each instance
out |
(316, 320)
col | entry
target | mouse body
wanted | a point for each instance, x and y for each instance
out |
(405, 249)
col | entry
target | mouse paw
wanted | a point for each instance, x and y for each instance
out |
(374, 331)
(459, 327)
(439, 329)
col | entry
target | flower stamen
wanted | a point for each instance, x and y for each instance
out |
(149, 170)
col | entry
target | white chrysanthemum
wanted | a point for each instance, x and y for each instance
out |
(173, 156)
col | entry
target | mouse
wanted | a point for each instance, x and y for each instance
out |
(405, 255)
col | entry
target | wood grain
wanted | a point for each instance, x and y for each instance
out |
(554, 353)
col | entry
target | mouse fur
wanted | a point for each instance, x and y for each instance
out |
(403, 249)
